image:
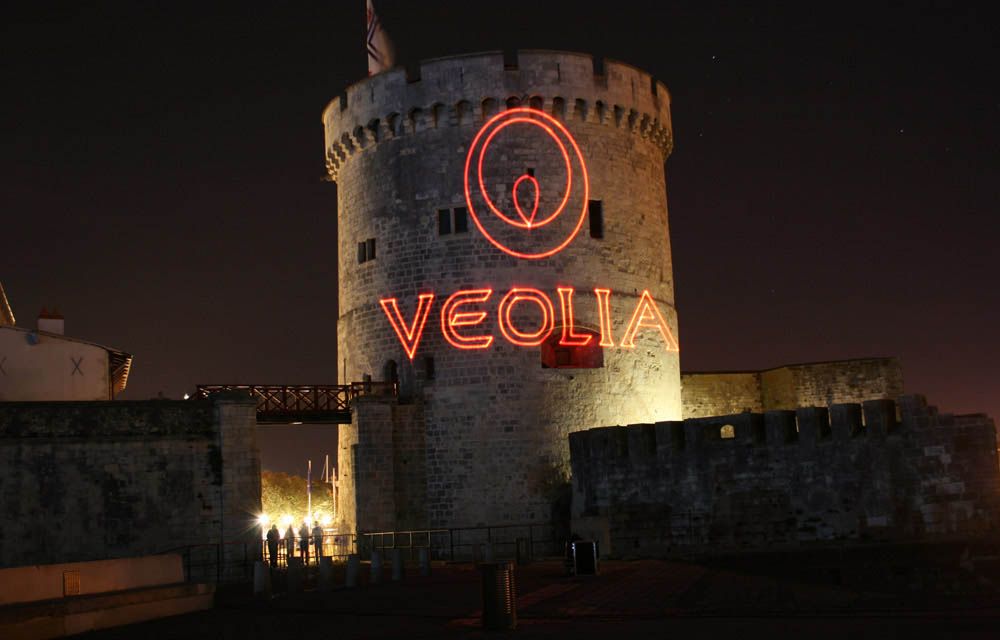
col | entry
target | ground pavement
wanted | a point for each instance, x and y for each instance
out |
(646, 598)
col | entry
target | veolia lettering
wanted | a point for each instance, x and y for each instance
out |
(462, 312)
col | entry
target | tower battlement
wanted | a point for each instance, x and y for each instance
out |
(873, 471)
(806, 426)
(466, 90)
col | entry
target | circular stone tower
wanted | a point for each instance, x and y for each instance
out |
(504, 254)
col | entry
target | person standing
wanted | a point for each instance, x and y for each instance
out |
(304, 543)
(272, 545)
(318, 541)
(289, 543)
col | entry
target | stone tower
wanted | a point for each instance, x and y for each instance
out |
(504, 254)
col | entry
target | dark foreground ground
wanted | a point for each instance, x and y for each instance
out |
(645, 598)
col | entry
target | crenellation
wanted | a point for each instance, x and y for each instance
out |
(830, 480)
(845, 421)
(813, 425)
(879, 417)
(641, 443)
(438, 100)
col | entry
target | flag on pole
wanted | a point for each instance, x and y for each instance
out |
(381, 55)
(309, 490)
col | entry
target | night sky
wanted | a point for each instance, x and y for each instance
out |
(833, 190)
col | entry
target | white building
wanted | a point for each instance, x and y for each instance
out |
(42, 364)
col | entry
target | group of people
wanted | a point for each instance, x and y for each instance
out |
(304, 537)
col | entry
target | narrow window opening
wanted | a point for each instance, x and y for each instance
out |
(444, 222)
(596, 211)
(371, 248)
(429, 367)
(362, 252)
(461, 220)
(530, 171)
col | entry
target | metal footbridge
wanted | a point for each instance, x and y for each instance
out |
(303, 404)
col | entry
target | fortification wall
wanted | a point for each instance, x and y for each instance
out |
(720, 394)
(96, 480)
(495, 421)
(790, 386)
(382, 458)
(789, 478)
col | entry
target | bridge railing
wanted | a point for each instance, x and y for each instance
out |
(288, 402)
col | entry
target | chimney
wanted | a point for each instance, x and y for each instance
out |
(51, 322)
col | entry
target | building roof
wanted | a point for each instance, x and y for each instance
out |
(119, 362)
(6, 313)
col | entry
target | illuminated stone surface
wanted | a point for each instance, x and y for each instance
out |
(816, 384)
(485, 440)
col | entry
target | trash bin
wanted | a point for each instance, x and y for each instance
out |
(499, 596)
(582, 557)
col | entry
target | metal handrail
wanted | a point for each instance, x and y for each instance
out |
(454, 544)
(217, 562)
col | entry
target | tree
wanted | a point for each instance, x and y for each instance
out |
(283, 494)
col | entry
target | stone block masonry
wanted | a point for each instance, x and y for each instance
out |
(96, 480)
(489, 444)
(707, 394)
(789, 478)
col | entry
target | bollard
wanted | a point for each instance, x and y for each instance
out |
(522, 553)
(261, 579)
(424, 557)
(376, 567)
(499, 596)
(326, 574)
(353, 570)
(295, 571)
(397, 564)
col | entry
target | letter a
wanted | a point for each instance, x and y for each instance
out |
(647, 314)
(409, 336)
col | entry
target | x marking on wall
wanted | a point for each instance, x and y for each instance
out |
(76, 365)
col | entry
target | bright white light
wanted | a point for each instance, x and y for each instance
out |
(263, 520)
(326, 521)
(186, 396)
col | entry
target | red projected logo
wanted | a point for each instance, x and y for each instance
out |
(525, 231)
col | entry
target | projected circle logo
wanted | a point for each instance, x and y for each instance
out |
(530, 215)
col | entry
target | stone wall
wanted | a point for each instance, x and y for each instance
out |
(382, 474)
(788, 479)
(96, 480)
(790, 386)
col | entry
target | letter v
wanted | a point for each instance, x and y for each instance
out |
(409, 336)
